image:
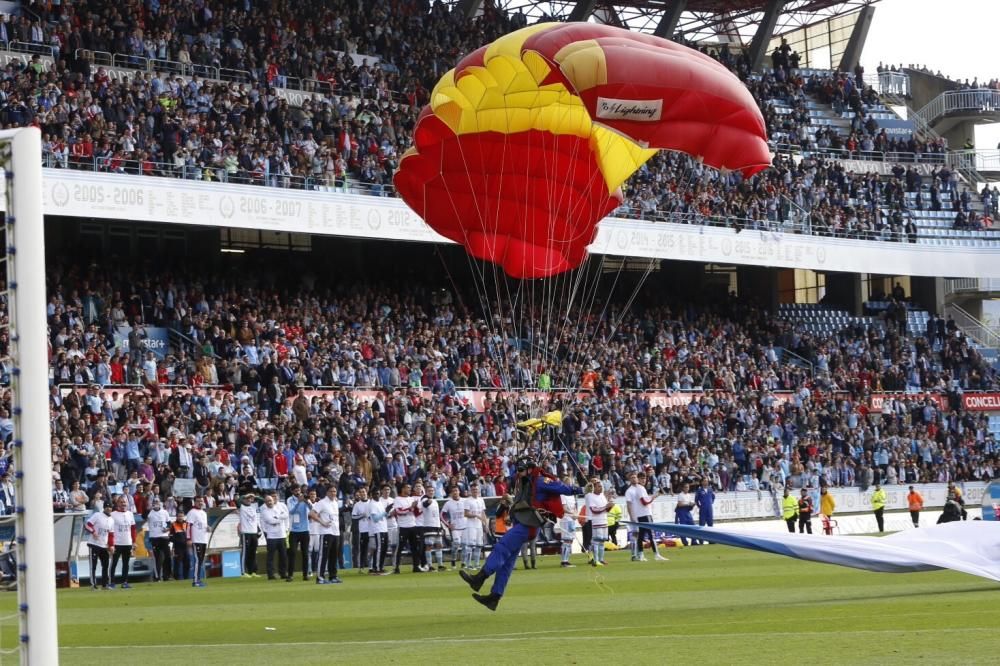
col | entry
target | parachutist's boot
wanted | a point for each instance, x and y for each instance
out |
(475, 580)
(489, 600)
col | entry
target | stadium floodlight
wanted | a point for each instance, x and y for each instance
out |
(21, 160)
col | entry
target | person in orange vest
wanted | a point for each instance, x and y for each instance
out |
(502, 517)
(916, 503)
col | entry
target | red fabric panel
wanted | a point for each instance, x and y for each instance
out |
(706, 110)
(529, 201)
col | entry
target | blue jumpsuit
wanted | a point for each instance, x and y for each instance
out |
(704, 499)
(503, 559)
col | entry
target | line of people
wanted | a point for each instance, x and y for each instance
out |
(413, 520)
(175, 543)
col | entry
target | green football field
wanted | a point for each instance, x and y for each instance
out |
(712, 604)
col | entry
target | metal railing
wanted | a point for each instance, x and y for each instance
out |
(984, 334)
(975, 160)
(975, 100)
(188, 345)
(796, 223)
(33, 48)
(213, 173)
(890, 84)
(894, 156)
(231, 75)
(970, 285)
(161, 65)
(797, 361)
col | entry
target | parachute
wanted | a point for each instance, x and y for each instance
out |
(525, 144)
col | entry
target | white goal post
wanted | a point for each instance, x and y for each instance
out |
(21, 156)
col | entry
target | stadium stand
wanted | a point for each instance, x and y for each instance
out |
(791, 389)
(203, 104)
(367, 384)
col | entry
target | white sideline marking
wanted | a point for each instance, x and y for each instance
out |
(517, 637)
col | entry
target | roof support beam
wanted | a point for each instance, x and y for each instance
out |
(668, 22)
(856, 44)
(761, 39)
(609, 16)
(469, 8)
(583, 10)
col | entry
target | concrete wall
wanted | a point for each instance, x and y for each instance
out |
(925, 87)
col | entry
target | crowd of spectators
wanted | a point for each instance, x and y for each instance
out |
(812, 194)
(353, 130)
(241, 417)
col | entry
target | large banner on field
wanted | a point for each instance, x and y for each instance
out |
(765, 504)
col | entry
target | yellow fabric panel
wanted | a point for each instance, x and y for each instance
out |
(504, 95)
(484, 75)
(503, 70)
(586, 66)
(449, 95)
(472, 88)
(494, 99)
(617, 157)
(452, 115)
(536, 65)
(510, 44)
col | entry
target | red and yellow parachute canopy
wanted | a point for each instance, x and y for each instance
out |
(525, 144)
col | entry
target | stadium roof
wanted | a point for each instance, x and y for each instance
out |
(733, 21)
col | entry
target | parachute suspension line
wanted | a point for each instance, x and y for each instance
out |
(577, 328)
(580, 353)
(569, 323)
(474, 271)
(496, 326)
(451, 278)
(562, 293)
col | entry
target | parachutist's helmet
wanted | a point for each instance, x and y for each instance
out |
(525, 464)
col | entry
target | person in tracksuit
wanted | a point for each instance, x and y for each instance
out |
(327, 513)
(158, 523)
(298, 538)
(249, 529)
(101, 530)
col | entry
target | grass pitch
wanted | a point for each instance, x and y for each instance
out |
(712, 604)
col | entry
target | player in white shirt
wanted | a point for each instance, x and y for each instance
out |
(378, 529)
(315, 537)
(597, 513)
(158, 526)
(418, 529)
(124, 540)
(453, 517)
(327, 513)
(475, 527)
(100, 527)
(568, 525)
(430, 517)
(197, 537)
(359, 519)
(405, 508)
(639, 505)
(249, 530)
(274, 522)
